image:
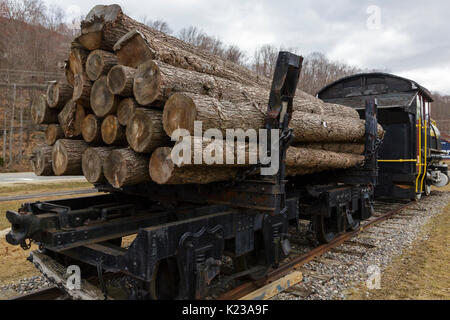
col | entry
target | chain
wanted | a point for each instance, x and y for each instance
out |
(378, 143)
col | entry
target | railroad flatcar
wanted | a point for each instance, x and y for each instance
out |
(183, 234)
(410, 156)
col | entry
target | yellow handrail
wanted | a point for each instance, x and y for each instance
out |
(426, 156)
(420, 153)
(399, 160)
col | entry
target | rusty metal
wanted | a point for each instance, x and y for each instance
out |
(251, 286)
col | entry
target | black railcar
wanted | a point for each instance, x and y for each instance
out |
(184, 232)
(410, 155)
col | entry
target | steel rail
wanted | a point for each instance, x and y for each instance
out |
(248, 287)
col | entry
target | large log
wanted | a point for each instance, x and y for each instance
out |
(108, 24)
(125, 110)
(41, 113)
(112, 132)
(91, 129)
(70, 119)
(82, 87)
(124, 167)
(163, 170)
(103, 102)
(58, 93)
(41, 161)
(299, 161)
(182, 109)
(98, 63)
(53, 132)
(66, 157)
(145, 131)
(92, 163)
(120, 80)
(156, 81)
(317, 128)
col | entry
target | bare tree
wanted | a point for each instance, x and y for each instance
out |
(158, 24)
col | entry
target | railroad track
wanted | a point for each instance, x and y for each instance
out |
(384, 210)
(50, 293)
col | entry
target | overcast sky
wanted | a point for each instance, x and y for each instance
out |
(408, 38)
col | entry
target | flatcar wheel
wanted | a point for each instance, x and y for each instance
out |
(326, 229)
(165, 283)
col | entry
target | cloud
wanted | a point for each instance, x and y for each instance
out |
(414, 38)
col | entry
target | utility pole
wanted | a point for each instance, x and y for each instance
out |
(11, 132)
(5, 132)
(21, 134)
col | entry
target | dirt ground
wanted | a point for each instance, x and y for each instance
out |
(420, 273)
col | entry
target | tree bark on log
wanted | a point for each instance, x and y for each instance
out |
(317, 128)
(92, 163)
(77, 58)
(70, 118)
(91, 130)
(103, 102)
(112, 132)
(41, 161)
(124, 167)
(299, 161)
(67, 156)
(113, 24)
(125, 110)
(82, 87)
(355, 148)
(58, 93)
(52, 133)
(157, 81)
(41, 113)
(120, 80)
(145, 131)
(98, 63)
(182, 109)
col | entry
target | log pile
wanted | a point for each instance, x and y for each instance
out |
(129, 88)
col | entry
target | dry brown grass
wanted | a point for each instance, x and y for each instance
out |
(27, 188)
(420, 273)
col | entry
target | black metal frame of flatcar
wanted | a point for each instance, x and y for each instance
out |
(193, 223)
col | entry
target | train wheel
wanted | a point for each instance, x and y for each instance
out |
(165, 283)
(326, 229)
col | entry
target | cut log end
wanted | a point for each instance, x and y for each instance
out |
(91, 40)
(53, 133)
(120, 80)
(112, 132)
(66, 157)
(179, 113)
(126, 110)
(147, 83)
(81, 89)
(124, 167)
(41, 113)
(99, 62)
(92, 163)
(90, 129)
(41, 161)
(144, 131)
(132, 50)
(161, 165)
(103, 102)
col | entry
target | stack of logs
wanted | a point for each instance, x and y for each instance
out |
(129, 87)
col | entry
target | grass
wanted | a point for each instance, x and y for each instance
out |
(27, 188)
(420, 273)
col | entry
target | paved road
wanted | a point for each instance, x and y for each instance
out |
(24, 177)
(48, 194)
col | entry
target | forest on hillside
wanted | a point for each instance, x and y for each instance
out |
(35, 42)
